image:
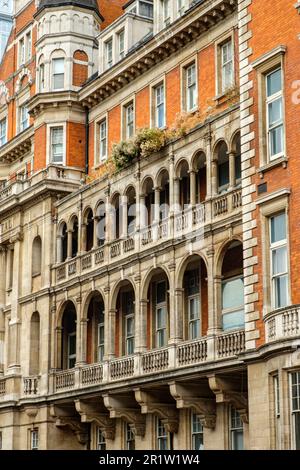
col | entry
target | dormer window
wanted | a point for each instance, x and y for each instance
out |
(180, 7)
(58, 71)
(166, 12)
(121, 44)
(146, 8)
(109, 53)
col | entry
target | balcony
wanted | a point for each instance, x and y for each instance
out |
(177, 227)
(283, 324)
(226, 346)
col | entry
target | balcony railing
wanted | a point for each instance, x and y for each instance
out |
(31, 385)
(283, 323)
(188, 353)
(182, 224)
(2, 387)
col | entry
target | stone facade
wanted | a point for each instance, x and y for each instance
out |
(149, 300)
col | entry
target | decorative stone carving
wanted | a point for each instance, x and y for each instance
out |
(123, 407)
(24, 73)
(150, 403)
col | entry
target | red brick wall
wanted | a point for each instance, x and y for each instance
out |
(40, 148)
(142, 109)
(110, 10)
(266, 37)
(75, 151)
(114, 126)
(172, 95)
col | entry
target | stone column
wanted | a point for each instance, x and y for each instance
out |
(171, 184)
(82, 234)
(108, 235)
(124, 212)
(176, 194)
(15, 323)
(95, 240)
(178, 327)
(142, 212)
(193, 187)
(157, 191)
(172, 304)
(83, 340)
(59, 248)
(232, 156)
(78, 330)
(214, 177)
(210, 292)
(143, 325)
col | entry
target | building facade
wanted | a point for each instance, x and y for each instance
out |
(148, 225)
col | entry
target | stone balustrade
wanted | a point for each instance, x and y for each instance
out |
(283, 323)
(182, 224)
(31, 385)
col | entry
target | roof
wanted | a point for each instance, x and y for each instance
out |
(88, 4)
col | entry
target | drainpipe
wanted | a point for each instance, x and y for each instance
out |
(87, 140)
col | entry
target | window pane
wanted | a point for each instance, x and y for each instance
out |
(160, 292)
(233, 293)
(297, 430)
(276, 141)
(274, 82)
(279, 259)
(278, 228)
(238, 440)
(161, 318)
(72, 344)
(223, 174)
(58, 65)
(275, 111)
(281, 292)
(233, 320)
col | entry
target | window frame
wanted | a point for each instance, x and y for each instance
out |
(54, 75)
(129, 437)
(161, 306)
(235, 429)
(157, 105)
(271, 205)
(49, 147)
(100, 441)
(71, 357)
(109, 62)
(101, 344)
(3, 135)
(293, 411)
(264, 65)
(129, 125)
(191, 61)
(269, 100)
(273, 247)
(103, 156)
(224, 39)
(34, 439)
(226, 311)
(21, 126)
(161, 437)
(196, 433)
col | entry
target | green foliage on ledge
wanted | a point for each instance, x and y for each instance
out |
(143, 144)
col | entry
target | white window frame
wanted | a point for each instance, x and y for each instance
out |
(148, 3)
(161, 306)
(158, 104)
(196, 433)
(180, 5)
(103, 140)
(129, 125)
(235, 415)
(41, 77)
(226, 311)
(269, 100)
(166, 12)
(101, 441)
(161, 435)
(60, 128)
(25, 47)
(197, 320)
(129, 337)
(294, 410)
(49, 148)
(22, 121)
(3, 131)
(224, 85)
(53, 75)
(34, 439)
(129, 437)
(108, 53)
(191, 85)
(121, 43)
(273, 247)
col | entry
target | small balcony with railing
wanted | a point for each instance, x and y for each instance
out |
(283, 324)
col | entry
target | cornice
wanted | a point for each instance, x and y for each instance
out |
(198, 21)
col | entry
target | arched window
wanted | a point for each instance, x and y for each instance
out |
(101, 223)
(36, 256)
(95, 330)
(34, 359)
(158, 313)
(237, 159)
(125, 321)
(199, 169)
(116, 225)
(58, 70)
(68, 359)
(184, 185)
(89, 221)
(223, 167)
(64, 243)
(195, 299)
(233, 287)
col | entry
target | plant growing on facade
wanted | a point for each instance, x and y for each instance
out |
(123, 153)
